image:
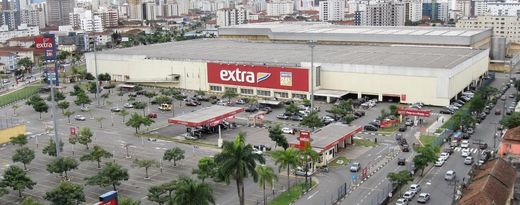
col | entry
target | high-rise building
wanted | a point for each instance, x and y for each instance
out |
(304, 5)
(96, 4)
(183, 6)
(10, 18)
(279, 7)
(109, 17)
(503, 26)
(171, 9)
(257, 5)
(84, 20)
(230, 17)
(385, 14)
(135, 10)
(332, 10)
(503, 9)
(33, 17)
(149, 11)
(58, 11)
(414, 11)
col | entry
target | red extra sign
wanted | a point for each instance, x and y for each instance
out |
(43, 42)
(413, 112)
(295, 79)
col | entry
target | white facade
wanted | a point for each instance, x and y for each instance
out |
(257, 5)
(183, 6)
(278, 8)
(415, 11)
(464, 7)
(135, 12)
(443, 11)
(33, 17)
(150, 11)
(332, 10)
(171, 10)
(22, 31)
(86, 21)
(230, 17)
(305, 5)
(503, 9)
(503, 26)
(385, 14)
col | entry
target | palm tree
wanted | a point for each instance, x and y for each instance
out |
(286, 159)
(188, 191)
(306, 155)
(237, 161)
(266, 176)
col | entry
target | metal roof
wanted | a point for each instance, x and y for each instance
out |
(293, 54)
(294, 31)
(206, 116)
(328, 136)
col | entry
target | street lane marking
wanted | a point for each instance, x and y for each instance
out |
(312, 195)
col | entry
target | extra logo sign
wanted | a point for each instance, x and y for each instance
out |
(44, 42)
(238, 75)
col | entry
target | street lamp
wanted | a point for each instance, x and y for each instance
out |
(312, 44)
(93, 41)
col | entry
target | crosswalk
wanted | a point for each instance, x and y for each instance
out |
(472, 150)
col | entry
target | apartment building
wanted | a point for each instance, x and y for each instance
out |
(109, 17)
(503, 26)
(82, 19)
(59, 11)
(413, 11)
(385, 14)
(280, 7)
(230, 17)
(332, 10)
(33, 17)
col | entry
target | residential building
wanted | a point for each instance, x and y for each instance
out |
(109, 17)
(11, 18)
(24, 42)
(503, 9)
(257, 5)
(332, 10)
(304, 5)
(414, 11)
(22, 31)
(102, 38)
(280, 7)
(385, 14)
(230, 17)
(184, 6)
(171, 9)
(503, 26)
(84, 20)
(149, 11)
(73, 42)
(9, 61)
(59, 11)
(135, 11)
(96, 4)
(464, 7)
(33, 17)
(20, 52)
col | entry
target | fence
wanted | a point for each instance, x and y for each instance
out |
(9, 122)
(441, 138)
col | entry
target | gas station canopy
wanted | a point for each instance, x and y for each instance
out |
(206, 116)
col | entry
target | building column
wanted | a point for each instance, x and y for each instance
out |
(380, 97)
(328, 99)
(359, 95)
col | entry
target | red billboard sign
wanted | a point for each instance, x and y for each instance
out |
(305, 139)
(388, 123)
(295, 79)
(44, 42)
(413, 112)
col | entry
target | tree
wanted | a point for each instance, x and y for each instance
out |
(26, 63)
(58, 96)
(111, 174)
(400, 178)
(163, 100)
(33, 100)
(77, 90)
(15, 107)
(425, 155)
(40, 107)
(95, 155)
(136, 121)
(104, 96)
(16, 178)
(312, 121)
(85, 136)
(82, 99)
(276, 135)
(63, 105)
(30, 201)
(286, 159)
(393, 110)
(140, 106)
(174, 154)
(206, 168)
(62, 55)
(23, 155)
(123, 114)
(20, 139)
(266, 176)
(100, 121)
(146, 164)
(477, 103)
(150, 95)
(62, 165)
(291, 109)
(127, 201)
(50, 149)
(89, 76)
(188, 191)
(237, 161)
(229, 94)
(511, 121)
(66, 193)
(306, 155)
(104, 77)
(157, 194)
(68, 113)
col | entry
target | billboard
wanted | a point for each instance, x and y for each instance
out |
(46, 42)
(294, 79)
(413, 112)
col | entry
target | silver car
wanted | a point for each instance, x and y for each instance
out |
(80, 118)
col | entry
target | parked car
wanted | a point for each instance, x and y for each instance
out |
(405, 148)
(401, 201)
(498, 112)
(416, 188)
(408, 122)
(401, 161)
(483, 145)
(465, 152)
(115, 109)
(152, 115)
(252, 108)
(301, 172)
(355, 167)
(446, 111)
(84, 109)
(408, 195)
(80, 118)
(370, 128)
(449, 150)
(267, 110)
(444, 156)
(439, 162)
(464, 144)
(450, 175)
(296, 118)
(468, 160)
(287, 130)
(128, 105)
(402, 128)
(282, 116)
(423, 198)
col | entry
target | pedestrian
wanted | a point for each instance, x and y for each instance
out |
(375, 140)
(442, 120)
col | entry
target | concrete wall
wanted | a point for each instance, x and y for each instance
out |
(7, 133)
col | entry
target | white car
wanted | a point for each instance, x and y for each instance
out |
(439, 162)
(444, 156)
(409, 195)
(464, 144)
(450, 175)
(415, 188)
(287, 130)
(401, 201)
(465, 152)
(257, 151)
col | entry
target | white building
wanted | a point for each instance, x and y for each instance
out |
(135, 12)
(183, 6)
(84, 20)
(503, 9)
(443, 11)
(332, 10)
(385, 14)
(414, 11)
(503, 26)
(305, 5)
(22, 31)
(230, 17)
(257, 5)
(150, 11)
(33, 17)
(278, 8)
(171, 10)
(464, 7)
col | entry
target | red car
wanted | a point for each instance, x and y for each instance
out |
(497, 112)
(152, 115)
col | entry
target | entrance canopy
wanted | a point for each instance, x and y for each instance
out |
(270, 102)
(330, 93)
(206, 116)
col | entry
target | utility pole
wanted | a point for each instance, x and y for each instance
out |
(53, 107)
(97, 75)
(454, 191)
(312, 44)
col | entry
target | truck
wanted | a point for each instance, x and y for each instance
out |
(165, 107)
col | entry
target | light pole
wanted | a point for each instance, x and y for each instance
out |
(96, 72)
(312, 44)
(53, 79)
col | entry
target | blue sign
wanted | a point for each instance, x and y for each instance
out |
(354, 177)
(109, 198)
(52, 75)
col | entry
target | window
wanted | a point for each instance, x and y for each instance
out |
(263, 92)
(231, 89)
(299, 96)
(246, 91)
(215, 88)
(317, 79)
(281, 94)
